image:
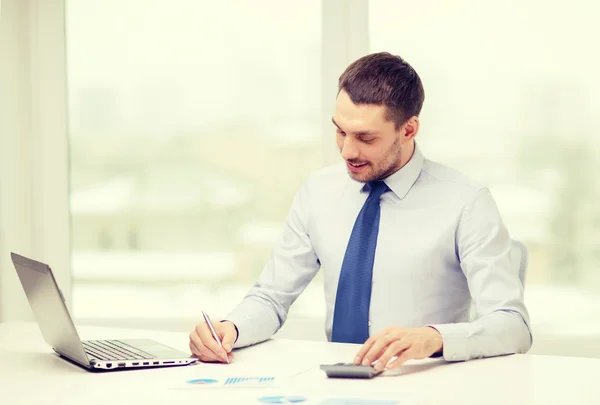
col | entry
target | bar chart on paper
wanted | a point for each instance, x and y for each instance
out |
(248, 380)
(229, 382)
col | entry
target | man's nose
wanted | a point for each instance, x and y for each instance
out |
(349, 150)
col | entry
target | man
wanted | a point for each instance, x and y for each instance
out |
(405, 244)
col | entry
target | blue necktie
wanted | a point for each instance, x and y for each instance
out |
(351, 313)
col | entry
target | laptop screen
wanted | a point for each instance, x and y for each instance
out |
(49, 308)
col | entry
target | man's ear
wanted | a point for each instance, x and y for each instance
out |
(410, 128)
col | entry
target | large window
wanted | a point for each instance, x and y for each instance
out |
(192, 124)
(512, 99)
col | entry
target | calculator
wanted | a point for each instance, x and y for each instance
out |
(349, 370)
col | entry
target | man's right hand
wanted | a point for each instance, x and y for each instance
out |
(204, 346)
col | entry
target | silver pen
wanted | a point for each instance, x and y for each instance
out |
(214, 333)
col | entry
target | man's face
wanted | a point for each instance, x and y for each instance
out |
(368, 142)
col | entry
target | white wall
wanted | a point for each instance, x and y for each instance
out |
(33, 146)
(345, 30)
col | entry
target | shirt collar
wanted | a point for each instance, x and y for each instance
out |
(401, 181)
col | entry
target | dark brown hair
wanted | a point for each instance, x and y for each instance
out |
(384, 79)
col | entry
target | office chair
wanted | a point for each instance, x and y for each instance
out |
(520, 255)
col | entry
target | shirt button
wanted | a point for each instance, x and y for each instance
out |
(369, 323)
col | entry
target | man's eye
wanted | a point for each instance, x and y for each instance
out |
(339, 131)
(367, 140)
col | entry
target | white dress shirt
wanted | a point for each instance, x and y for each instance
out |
(441, 246)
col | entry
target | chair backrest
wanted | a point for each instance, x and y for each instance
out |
(520, 255)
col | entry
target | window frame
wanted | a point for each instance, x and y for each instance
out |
(34, 144)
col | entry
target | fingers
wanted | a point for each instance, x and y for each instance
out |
(406, 355)
(195, 351)
(368, 344)
(405, 343)
(395, 348)
(363, 350)
(203, 354)
(209, 341)
(195, 344)
(378, 348)
(199, 350)
(204, 346)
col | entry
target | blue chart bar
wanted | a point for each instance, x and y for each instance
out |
(241, 380)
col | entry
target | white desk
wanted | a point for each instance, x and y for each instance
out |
(31, 374)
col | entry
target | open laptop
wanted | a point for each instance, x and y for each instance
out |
(52, 315)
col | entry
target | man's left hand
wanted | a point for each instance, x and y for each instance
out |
(405, 343)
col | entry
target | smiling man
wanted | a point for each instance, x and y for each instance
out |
(406, 245)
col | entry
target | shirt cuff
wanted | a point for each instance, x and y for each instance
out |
(454, 338)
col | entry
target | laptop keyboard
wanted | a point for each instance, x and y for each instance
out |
(113, 350)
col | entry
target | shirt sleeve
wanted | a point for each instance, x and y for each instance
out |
(291, 267)
(502, 322)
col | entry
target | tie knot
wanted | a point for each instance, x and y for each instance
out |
(377, 188)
